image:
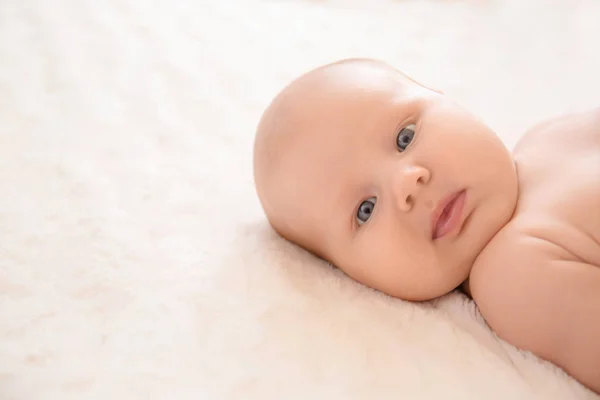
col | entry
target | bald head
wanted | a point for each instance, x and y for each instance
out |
(294, 125)
(351, 162)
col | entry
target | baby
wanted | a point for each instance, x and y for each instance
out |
(410, 194)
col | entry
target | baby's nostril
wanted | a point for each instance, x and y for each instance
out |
(409, 199)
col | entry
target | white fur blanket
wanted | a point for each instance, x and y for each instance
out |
(135, 262)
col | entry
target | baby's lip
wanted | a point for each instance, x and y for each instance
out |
(447, 214)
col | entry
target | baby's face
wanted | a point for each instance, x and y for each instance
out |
(391, 182)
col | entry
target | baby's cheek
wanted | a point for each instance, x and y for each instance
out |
(364, 261)
(384, 255)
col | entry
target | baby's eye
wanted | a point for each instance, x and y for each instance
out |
(405, 137)
(365, 210)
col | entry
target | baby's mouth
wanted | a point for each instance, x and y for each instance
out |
(447, 216)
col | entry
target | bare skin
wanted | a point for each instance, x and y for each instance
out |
(538, 282)
(409, 194)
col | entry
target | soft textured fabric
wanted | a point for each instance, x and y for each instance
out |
(135, 261)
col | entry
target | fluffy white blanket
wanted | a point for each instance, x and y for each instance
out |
(135, 262)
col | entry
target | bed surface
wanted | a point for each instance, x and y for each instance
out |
(135, 262)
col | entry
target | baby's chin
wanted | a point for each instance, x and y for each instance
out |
(436, 291)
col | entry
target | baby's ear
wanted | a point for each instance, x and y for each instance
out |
(438, 91)
(432, 88)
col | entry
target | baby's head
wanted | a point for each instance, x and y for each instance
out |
(386, 179)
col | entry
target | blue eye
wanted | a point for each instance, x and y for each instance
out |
(365, 210)
(405, 137)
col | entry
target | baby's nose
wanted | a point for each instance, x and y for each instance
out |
(408, 182)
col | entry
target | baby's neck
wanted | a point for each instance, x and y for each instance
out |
(465, 288)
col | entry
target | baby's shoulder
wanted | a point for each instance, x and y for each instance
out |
(558, 164)
(522, 256)
(513, 251)
(574, 129)
(537, 297)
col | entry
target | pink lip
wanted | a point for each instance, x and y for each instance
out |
(447, 216)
